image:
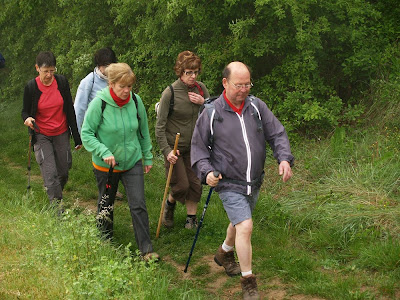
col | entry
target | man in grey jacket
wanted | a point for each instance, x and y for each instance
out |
(233, 142)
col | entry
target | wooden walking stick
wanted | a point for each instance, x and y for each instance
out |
(167, 186)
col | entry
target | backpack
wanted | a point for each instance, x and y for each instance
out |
(104, 103)
(171, 103)
(171, 100)
(213, 115)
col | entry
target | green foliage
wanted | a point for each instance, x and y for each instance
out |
(310, 59)
(90, 273)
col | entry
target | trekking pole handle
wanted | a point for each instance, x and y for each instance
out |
(35, 126)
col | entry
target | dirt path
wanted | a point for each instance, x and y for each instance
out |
(218, 283)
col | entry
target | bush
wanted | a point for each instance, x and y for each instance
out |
(311, 60)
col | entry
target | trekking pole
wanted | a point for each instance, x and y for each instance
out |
(167, 186)
(31, 133)
(106, 206)
(216, 174)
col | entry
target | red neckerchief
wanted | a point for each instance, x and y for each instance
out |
(195, 85)
(236, 110)
(120, 102)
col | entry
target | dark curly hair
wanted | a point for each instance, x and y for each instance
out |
(186, 60)
(104, 57)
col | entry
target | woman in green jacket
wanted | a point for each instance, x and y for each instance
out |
(115, 131)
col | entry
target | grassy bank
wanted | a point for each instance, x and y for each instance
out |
(332, 232)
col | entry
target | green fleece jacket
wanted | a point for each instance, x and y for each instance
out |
(115, 131)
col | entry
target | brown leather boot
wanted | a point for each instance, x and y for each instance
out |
(191, 223)
(227, 260)
(249, 287)
(168, 215)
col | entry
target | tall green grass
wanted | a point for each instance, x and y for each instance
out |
(48, 257)
(332, 231)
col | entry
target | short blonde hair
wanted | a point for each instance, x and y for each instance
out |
(120, 72)
(186, 60)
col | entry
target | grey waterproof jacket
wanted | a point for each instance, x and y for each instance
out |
(239, 144)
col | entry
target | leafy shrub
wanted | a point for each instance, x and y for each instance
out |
(311, 60)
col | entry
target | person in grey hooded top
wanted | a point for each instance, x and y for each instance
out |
(241, 125)
(92, 83)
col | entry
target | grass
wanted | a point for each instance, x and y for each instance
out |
(332, 232)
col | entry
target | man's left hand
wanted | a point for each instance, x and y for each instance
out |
(285, 170)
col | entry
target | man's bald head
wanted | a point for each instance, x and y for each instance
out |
(235, 66)
(237, 82)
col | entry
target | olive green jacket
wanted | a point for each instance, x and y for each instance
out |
(182, 120)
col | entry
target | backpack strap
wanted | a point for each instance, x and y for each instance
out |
(254, 183)
(103, 106)
(137, 113)
(92, 82)
(212, 116)
(256, 112)
(171, 101)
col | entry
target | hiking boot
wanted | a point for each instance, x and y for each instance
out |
(119, 195)
(249, 287)
(227, 260)
(58, 206)
(191, 223)
(168, 215)
(151, 256)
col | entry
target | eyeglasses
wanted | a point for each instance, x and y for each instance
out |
(247, 86)
(51, 72)
(190, 73)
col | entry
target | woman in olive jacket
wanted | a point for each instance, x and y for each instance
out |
(187, 95)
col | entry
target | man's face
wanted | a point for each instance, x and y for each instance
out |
(237, 87)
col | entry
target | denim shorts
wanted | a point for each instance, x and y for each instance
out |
(239, 207)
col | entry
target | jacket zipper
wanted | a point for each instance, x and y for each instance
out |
(123, 126)
(248, 151)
